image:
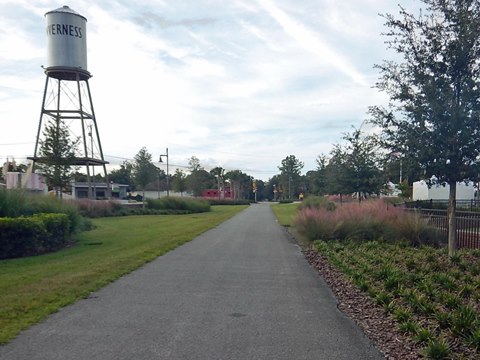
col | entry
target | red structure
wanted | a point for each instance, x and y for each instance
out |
(226, 193)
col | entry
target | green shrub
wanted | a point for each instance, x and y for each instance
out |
(27, 236)
(57, 228)
(15, 203)
(423, 335)
(285, 201)
(437, 349)
(474, 339)
(178, 203)
(464, 321)
(20, 237)
(402, 315)
(228, 202)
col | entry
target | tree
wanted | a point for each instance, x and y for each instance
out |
(194, 164)
(179, 182)
(57, 153)
(336, 173)
(290, 174)
(124, 175)
(143, 170)
(241, 184)
(434, 112)
(199, 180)
(361, 164)
(219, 173)
(316, 179)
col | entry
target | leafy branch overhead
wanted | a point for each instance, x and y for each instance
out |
(434, 90)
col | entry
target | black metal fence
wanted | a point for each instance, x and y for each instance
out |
(468, 225)
(465, 205)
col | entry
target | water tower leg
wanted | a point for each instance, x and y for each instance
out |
(94, 119)
(42, 110)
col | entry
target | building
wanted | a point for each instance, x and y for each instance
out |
(80, 190)
(33, 182)
(226, 193)
(441, 192)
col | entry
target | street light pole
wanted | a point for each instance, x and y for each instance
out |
(168, 185)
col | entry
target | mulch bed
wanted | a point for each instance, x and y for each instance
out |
(371, 318)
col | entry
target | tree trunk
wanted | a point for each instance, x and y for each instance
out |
(452, 223)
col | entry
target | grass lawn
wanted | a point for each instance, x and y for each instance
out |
(285, 213)
(34, 287)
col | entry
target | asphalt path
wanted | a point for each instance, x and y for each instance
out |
(242, 290)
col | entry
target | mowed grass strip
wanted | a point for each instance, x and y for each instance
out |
(32, 288)
(285, 213)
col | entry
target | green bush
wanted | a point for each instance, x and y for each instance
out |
(286, 201)
(15, 203)
(188, 205)
(228, 202)
(57, 228)
(27, 236)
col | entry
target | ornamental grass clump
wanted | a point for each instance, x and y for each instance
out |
(317, 202)
(366, 221)
(316, 223)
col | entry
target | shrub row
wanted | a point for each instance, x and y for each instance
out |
(37, 234)
(178, 203)
(15, 203)
(228, 202)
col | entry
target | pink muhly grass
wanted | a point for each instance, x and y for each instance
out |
(368, 220)
(315, 223)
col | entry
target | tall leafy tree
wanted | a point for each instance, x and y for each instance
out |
(361, 165)
(219, 174)
(241, 184)
(434, 88)
(57, 152)
(179, 182)
(290, 173)
(194, 164)
(316, 179)
(143, 170)
(123, 175)
(199, 180)
(337, 180)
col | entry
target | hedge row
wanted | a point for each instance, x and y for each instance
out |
(229, 202)
(37, 234)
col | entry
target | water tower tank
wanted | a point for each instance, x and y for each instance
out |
(66, 44)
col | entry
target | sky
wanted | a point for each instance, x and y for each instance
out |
(240, 84)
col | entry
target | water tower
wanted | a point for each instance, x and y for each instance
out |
(67, 99)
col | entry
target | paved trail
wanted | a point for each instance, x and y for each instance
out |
(240, 291)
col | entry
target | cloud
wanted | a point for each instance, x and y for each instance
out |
(153, 20)
(312, 42)
(240, 84)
